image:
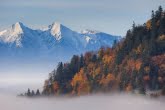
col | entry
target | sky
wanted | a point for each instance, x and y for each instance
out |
(111, 16)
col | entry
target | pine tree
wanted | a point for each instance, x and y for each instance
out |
(153, 26)
(159, 13)
(133, 26)
(37, 92)
(94, 58)
(161, 30)
(74, 64)
(114, 44)
(81, 62)
(59, 71)
(160, 9)
(28, 92)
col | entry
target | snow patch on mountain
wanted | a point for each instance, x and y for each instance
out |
(17, 28)
(87, 38)
(56, 30)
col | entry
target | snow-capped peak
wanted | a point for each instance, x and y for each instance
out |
(55, 30)
(13, 34)
(17, 28)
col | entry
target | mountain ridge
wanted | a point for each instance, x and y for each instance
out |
(57, 40)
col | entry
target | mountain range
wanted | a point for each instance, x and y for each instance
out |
(57, 41)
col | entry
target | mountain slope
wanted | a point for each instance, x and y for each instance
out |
(57, 40)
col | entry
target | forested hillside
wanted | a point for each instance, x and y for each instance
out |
(135, 63)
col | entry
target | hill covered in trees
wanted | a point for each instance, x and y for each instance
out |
(135, 63)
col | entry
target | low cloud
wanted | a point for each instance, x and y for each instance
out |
(94, 102)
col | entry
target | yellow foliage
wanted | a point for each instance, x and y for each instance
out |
(83, 88)
(147, 69)
(95, 72)
(107, 59)
(105, 81)
(80, 79)
(129, 88)
(98, 70)
(91, 66)
(148, 24)
(162, 37)
(133, 64)
(138, 64)
(110, 77)
(55, 86)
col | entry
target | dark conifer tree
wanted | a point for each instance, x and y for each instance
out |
(28, 92)
(59, 71)
(153, 25)
(37, 92)
(81, 62)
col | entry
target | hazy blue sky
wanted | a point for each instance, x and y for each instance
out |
(111, 16)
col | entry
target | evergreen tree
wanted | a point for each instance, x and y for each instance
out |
(59, 71)
(162, 26)
(153, 26)
(160, 9)
(37, 92)
(114, 44)
(28, 92)
(94, 58)
(142, 89)
(158, 13)
(133, 26)
(81, 62)
(74, 64)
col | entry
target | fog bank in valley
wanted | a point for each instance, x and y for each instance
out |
(93, 102)
(15, 82)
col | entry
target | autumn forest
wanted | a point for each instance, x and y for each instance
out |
(134, 64)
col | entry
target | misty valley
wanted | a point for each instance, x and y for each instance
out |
(55, 67)
(94, 102)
